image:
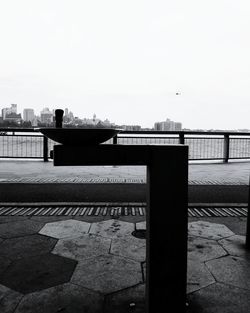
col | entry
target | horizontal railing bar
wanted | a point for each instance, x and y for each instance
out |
(205, 138)
(145, 132)
(197, 159)
(17, 129)
(144, 137)
(20, 157)
(186, 132)
(9, 135)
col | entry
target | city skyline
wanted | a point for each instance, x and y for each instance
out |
(133, 62)
(161, 125)
(46, 116)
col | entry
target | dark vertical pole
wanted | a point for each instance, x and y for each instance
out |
(248, 221)
(226, 148)
(45, 149)
(181, 138)
(115, 140)
(166, 254)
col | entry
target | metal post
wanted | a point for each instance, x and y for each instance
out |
(181, 138)
(115, 140)
(45, 149)
(226, 148)
(248, 221)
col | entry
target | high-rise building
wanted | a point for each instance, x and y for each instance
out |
(28, 115)
(8, 111)
(46, 116)
(178, 126)
(14, 108)
(167, 125)
(13, 117)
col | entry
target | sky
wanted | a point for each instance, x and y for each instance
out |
(126, 60)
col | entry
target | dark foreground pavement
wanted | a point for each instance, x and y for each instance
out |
(72, 265)
(16, 192)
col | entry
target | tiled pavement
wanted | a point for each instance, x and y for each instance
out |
(95, 264)
(23, 171)
(62, 264)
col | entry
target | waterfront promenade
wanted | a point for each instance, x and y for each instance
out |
(37, 181)
(96, 263)
(199, 173)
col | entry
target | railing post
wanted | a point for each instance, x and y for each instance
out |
(248, 221)
(181, 138)
(45, 149)
(115, 140)
(226, 148)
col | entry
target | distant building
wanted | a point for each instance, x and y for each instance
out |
(167, 125)
(13, 108)
(46, 116)
(178, 126)
(13, 117)
(131, 127)
(68, 116)
(28, 115)
(8, 111)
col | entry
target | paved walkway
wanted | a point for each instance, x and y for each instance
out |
(54, 263)
(41, 172)
(32, 181)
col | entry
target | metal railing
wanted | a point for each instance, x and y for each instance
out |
(29, 143)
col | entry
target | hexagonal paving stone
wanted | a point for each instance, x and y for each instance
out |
(66, 298)
(112, 228)
(129, 247)
(107, 273)
(128, 300)
(202, 249)
(19, 229)
(83, 247)
(209, 230)
(4, 263)
(231, 270)
(219, 298)
(65, 229)
(8, 299)
(32, 245)
(141, 225)
(235, 245)
(92, 218)
(198, 276)
(36, 273)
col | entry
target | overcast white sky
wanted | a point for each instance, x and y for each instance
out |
(125, 60)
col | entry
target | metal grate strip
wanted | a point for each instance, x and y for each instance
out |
(114, 211)
(217, 212)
